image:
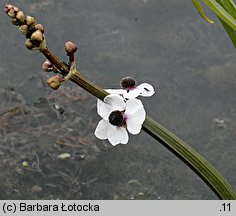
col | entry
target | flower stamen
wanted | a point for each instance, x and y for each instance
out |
(128, 83)
(116, 118)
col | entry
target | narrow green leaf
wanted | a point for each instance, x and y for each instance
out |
(231, 33)
(230, 7)
(226, 12)
(200, 11)
(188, 155)
(221, 13)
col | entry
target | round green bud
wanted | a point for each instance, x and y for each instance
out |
(30, 21)
(20, 16)
(29, 45)
(16, 9)
(14, 21)
(55, 81)
(37, 36)
(23, 29)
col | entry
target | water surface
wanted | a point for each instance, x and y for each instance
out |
(190, 63)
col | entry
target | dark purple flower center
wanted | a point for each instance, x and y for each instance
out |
(116, 118)
(127, 83)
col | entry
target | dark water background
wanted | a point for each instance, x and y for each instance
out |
(190, 63)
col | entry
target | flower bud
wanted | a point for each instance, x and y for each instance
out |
(14, 21)
(30, 21)
(37, 36)
(29, 44)
(127, 83)
(16, 9)
(39, 27)
(70, 47)
(6, 10)
(8, 7)
(23, 29)
(47, 66)
(11, 13)
(55, 81)
(20, 16)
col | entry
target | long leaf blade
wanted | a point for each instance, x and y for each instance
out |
(230, 7)
(200, 11)
(194, 160)
(221, 13)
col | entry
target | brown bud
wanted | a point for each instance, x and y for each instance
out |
(6, 10)
(47, 66)
(55, 81)
(11, 13)
(20, 16)
(23, 29)
(8, 7)
(70, 47)
(37, 36)
(39, 27)
(16, 9)
(29, 44)
(14, 21)
(30, 21)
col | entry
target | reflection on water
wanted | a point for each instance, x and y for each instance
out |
(190, 63)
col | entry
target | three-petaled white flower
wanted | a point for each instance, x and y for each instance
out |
(130, 90)
(118, 116)
(144, 89)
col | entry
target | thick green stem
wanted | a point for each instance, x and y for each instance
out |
(55, 61)
(189, 156)
(89, 86)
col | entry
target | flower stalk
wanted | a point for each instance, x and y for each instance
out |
(183, 151)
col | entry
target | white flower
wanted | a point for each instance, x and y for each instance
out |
(144, 89)
(117, 116)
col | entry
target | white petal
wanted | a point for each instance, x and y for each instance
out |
(135, 115)
(117, 135)
(111, 103)
(103, 109)
(101, 129)
(116, 91)
(115, 101)
(132, 93)
(146, 90)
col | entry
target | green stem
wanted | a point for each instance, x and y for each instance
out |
(188, 155)
(55, 61)
(191, 158)
(184, 152)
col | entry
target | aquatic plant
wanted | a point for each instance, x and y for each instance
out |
(35, 40)
(226, 12)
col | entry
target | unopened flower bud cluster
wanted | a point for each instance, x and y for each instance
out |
(27, 25)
